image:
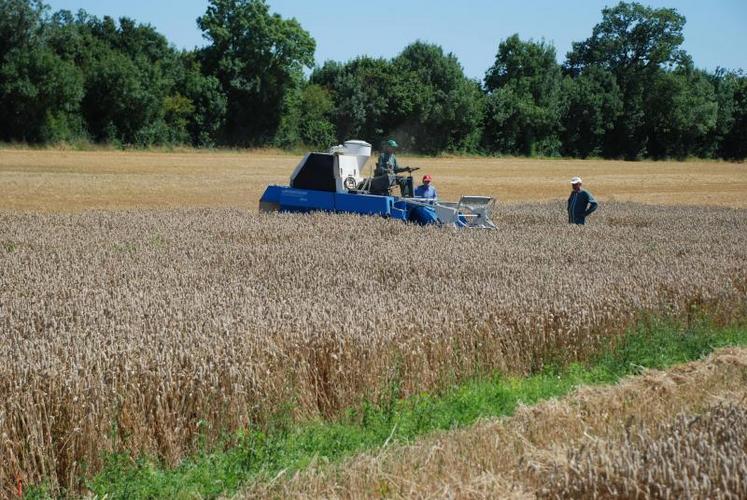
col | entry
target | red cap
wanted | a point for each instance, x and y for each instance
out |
(426, 178)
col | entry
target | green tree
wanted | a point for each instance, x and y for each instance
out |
(207, 100)
(256, 56)
(177, 110)
(443, 107)
(183, 104)
(628, 90)
(315, 127)
(734, 142)
(682, 114)
(728, 136)
(630, 36)
(591, 104)
(21, 24)
(39, 91)
(635, 43)
(307, 119)
(421, 96)
(370, 100)
(118, 105)
(130, 84)
(523, 104)
(39, 97)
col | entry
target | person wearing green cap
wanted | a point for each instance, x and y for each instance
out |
(387, 164)
(387, 168)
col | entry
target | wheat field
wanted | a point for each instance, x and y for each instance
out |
(143, 331)
(145, 305)
(50, 180)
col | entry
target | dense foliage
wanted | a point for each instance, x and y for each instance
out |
(627, 91)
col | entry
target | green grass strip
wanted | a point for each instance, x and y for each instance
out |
(289, 447)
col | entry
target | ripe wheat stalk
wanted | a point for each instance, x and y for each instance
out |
(151, 331)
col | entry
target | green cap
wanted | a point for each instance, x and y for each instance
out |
(392, 143)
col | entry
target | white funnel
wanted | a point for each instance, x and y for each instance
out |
(360, 149)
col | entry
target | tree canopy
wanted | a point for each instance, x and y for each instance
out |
(258, 58)
(629, 90)
(523, 106)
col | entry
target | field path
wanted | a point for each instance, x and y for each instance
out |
(53, 181)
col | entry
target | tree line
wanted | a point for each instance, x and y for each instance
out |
(628, 91)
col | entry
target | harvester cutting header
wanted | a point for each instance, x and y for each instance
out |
(334, 181)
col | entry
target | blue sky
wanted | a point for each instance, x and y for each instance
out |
(715, 33)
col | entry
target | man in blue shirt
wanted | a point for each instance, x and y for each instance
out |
(426, 190)
(580, 204)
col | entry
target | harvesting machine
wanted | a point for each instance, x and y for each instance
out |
(334, 181)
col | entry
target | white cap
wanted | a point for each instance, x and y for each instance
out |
(576, 180)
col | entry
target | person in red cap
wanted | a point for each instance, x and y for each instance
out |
(425, 190)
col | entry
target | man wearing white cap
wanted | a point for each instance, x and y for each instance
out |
(580, 204)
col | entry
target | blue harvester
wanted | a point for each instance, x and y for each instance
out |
(334, 182)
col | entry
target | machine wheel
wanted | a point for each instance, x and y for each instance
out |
(350, 183)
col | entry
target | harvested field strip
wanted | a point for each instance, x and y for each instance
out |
(285, 449)
(64, 181)
(663, 434)
(155, 333)
(696, 456)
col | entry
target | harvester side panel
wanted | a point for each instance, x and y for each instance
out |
(364, 204)
(303, 200)
(270, 201)
(317, 172)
